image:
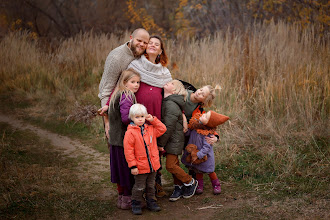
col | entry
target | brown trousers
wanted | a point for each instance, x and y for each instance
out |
(173, 166)
(144, 181)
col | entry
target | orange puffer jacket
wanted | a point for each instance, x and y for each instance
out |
(143, 152)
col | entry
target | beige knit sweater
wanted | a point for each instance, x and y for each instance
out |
(116, 62)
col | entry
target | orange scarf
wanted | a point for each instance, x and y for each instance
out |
(194, 124)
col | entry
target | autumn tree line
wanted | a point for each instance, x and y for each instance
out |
(169, 18)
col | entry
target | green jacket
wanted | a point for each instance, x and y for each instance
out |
(173, 139)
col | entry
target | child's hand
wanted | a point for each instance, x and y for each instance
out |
(185, 127)
(161, 149)
(102, 111)
(185, 124)
(149, 117)
(135, 171)
(106, 125)
(211, 140)
(106, 128)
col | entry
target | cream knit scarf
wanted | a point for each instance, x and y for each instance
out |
(151, 74)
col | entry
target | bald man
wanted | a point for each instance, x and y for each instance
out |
(118, 60)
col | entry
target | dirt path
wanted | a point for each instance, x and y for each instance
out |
(94, 163)
(66, 145)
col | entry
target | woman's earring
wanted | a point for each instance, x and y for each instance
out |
(158, 57)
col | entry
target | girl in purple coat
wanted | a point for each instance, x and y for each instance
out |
(120, 102)
(198, 155)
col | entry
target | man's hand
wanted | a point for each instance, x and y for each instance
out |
(135, 171)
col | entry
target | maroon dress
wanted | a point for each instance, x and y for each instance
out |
(151, 97)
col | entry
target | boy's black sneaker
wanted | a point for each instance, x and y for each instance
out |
(152, 205)
(189, 191)
(177, 193)
(136, 207)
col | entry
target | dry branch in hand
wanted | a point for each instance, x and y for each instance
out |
(84, 114)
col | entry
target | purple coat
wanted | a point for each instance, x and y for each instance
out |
(204, 149)
(125, 104)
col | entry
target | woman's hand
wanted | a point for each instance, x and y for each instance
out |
(149, 117)
(211, 140)
(160, 149)
(134, 171)
(102, 111)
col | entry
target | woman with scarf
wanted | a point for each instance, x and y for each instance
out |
(154, 75)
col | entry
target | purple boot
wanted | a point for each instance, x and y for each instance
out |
(126, 202)
(119, 201)
(200, 186)
(216, 186)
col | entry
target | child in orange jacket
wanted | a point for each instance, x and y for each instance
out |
(142, 155)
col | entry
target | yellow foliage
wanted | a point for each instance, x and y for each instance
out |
(179, 15)
(182, 25)
(19, 25)
(33, 35)
(141, 17)
(302, 13)
(3, 20)
(183, 3)
(18, 21)
(198, 6)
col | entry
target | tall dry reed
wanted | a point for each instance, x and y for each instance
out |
(273, 78)
(55, 80)
(274, 83)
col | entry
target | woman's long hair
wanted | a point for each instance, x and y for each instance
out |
(122, 89)
(162, 58)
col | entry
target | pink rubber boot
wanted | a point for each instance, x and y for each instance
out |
(126, 202)
(216, 186)
(119, 201)
(200, 186)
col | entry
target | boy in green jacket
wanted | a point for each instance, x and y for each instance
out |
(173, 139)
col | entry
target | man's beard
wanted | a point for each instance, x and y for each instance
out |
(134, 51)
